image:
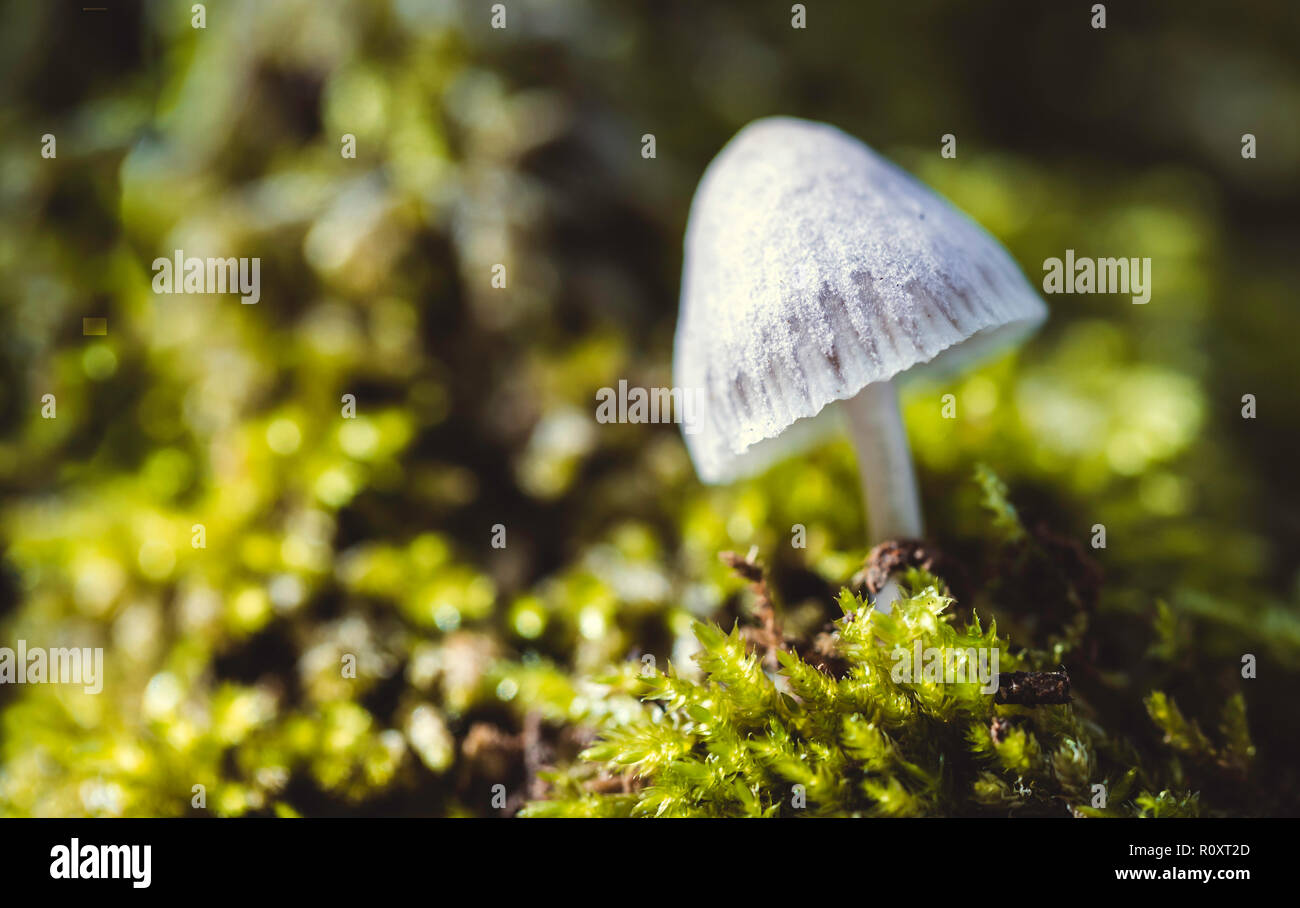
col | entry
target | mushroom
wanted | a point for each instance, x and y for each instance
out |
(815, 272)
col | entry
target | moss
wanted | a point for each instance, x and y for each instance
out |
(741, 742)
(371, 537)
(873, 738)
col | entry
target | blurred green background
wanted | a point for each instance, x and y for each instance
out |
(475, 405)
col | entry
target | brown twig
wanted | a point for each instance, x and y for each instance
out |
(895, 555)
(768, 636)
(1033, 688)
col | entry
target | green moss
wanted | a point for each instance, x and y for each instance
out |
(741, 742)
(370, 537)
(728, 738)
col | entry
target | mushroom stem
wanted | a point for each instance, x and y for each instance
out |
(885, 464)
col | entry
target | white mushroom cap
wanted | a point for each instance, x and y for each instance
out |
(814, 267)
